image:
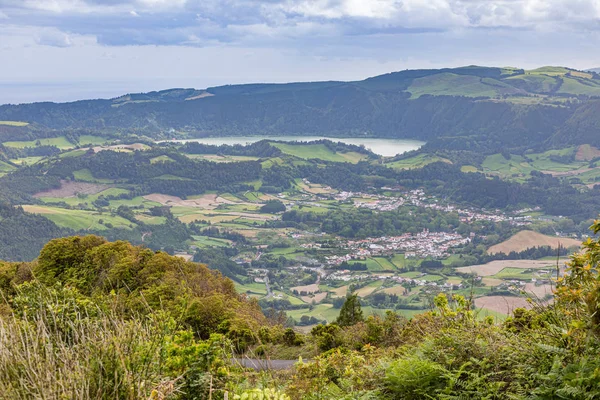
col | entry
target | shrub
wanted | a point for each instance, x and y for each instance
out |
(414, 378)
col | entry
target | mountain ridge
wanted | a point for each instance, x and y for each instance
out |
(473, 107)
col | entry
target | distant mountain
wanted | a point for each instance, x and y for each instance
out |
(479, 108)
(596, 70)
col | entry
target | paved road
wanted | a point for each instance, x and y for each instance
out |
(261, 365)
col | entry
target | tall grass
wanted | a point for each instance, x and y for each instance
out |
(60, 349)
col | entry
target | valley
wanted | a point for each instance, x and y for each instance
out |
(300, 241)
(425, 233)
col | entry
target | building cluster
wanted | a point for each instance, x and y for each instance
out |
(421, 245)
(419, 198)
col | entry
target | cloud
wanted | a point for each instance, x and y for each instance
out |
(376, 16)
(228, 41)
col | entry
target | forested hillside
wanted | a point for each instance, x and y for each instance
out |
(464, 108)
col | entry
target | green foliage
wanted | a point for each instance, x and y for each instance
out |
(272, 207)
(414, 378)
(59, 344)
(142, 280)
(351, 312)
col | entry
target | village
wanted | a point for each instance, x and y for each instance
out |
(419, 198)
(421, 245)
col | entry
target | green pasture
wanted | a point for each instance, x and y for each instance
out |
(14, 123)
(92, 140)
(514, 273)
(318, 151)
(206, 241)
(85, 175)
(61, 142)
(162, 158)
(417, 161)
(449, 84)
(79, 219)
(6, 167)
(27, 160)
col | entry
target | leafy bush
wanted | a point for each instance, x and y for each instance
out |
(414, 378)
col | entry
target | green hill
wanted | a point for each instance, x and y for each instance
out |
(469, 107)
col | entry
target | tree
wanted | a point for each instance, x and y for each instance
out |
(350, 313)
(272, 207)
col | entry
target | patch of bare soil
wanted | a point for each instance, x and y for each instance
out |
(538, 291)
(72, 189)
(568, 173)
(493, 267)
(207, 201)
(502, 304)
(585, 152)
(524, 240)
(317, 298)
(116, 147)
(314, 288)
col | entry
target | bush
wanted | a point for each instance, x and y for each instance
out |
(415, 378)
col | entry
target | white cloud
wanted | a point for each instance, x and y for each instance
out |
(206, 42)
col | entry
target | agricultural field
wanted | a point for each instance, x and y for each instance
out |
(79, 220)
(418, 161)
(85, 175)
(221, 158)
(61, 142)
(448, 84)
(318, 151)
(495, 268)
(14, 123)
(298, 255)
(26, 160)
(567, 163)
(527, 239)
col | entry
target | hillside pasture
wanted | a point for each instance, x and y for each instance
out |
(14, 123)
(449, 84)
(418, 161)
(318, 151)
(368, 289)
(61, 142)
(27, 160)
(79, 220)
(526, 239)
(85, 175)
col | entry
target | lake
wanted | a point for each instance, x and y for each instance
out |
(382, 147)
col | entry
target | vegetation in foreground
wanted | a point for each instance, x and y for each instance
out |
(91, 319)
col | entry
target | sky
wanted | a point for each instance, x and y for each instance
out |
(65, 50)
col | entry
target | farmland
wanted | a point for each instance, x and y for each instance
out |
(526, 239)
(306, 266)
